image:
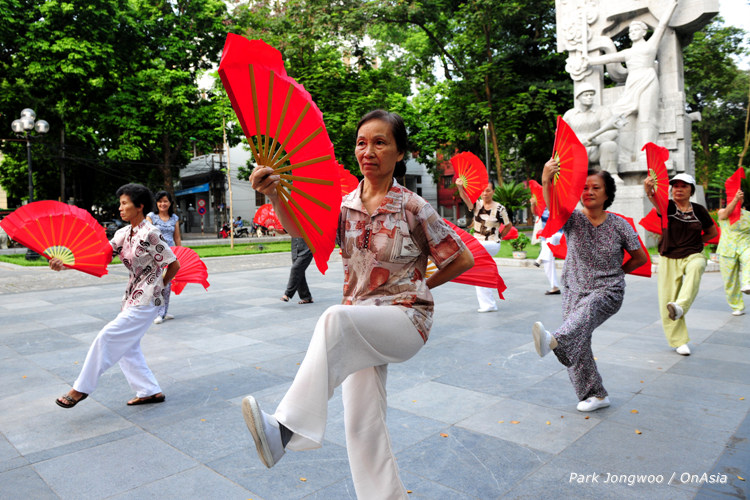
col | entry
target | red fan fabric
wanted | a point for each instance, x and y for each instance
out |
(732, 185)
(715, 239)
(560, 251)
(192, 269)
(656, 157)
(512, 234)
(66, 232)
(484, 272)
(285, 130)
(537, 193)
(348, 181)
(265, 216)
(469, 167)
(569, 181)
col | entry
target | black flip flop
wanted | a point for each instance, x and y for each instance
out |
(70, 402)
(305, 301)
(154, 398)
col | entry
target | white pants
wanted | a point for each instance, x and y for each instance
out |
(486, 296)
(352, 345)
(546, 257)
(120, 340)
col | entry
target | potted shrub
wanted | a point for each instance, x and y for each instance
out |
(519, 245)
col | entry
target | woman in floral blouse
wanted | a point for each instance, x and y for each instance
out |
(386, 234)
(144, 252)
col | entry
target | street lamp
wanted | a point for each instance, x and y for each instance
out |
(24, 126)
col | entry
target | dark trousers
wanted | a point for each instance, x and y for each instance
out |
(301, 258)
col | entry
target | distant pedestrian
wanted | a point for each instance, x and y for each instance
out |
(167, 222)
(734, 254)
(301, 258)
(546, 257)
(681, 259)
(487, 216)
(145, 253)
(593, 282)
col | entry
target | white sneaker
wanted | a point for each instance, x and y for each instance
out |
(739, 312)
(168, 316)
(543, 339)
(592, 404)
(158, 320)
(675, 311)
(487, 309)
(265, 431)
(684, 350)
(745, 289)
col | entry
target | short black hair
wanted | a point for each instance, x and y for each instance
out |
(609, 185)
(139, 195)
(161, 194)
(398, 129)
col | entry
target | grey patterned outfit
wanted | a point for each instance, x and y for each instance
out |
(167, 230)
(593, 289)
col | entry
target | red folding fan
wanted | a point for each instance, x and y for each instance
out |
(285, 131)
(468, 167)
(348, 181)
(266, 217)
(512, 234)
(69, 233)
(483, 273)
(192, 269)
(651, 222)
(537, 193)
(732, 185)
(568, 183)
(560, 251)
(656, 156)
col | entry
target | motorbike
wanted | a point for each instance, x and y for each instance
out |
(224, 232)
(239, 232)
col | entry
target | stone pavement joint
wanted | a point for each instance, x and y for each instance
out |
(476, 414)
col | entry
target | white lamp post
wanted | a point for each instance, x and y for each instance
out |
(24, 126)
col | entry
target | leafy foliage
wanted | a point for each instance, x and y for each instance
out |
(513, 196)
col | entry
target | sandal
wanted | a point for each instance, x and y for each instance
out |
(154, 398)
(305, 301)
(65, 401)
(285, 298)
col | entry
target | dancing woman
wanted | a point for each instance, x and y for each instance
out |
(593, 282)
(734, 254)
(386, 233)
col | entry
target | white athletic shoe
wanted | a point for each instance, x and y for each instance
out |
(592, 404)
(487, 309)
(675, 311)
(684, 350)
(745, 289)
(739, 312)
(158, 320)
(542, 339)
(265, 430)
(168, 317)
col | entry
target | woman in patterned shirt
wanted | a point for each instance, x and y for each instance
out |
(144, 252)
(168, 223)
(487, 216)
(386, 234)
(593, 282)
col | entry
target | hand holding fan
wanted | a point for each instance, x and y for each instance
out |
(192, 269)
(66, 232)
(732, 185)
(569, 181)
(656, 156)
(470, 169)
(285, 131)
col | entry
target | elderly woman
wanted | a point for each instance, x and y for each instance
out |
(487, 216)
(386, 234)
(681, 259)
(593, 282)
(144, 252)
(734, 254)
(168, 223)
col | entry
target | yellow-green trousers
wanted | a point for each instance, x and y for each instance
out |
(735, 272)
(678, 282)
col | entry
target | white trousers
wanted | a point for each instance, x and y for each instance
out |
(486, 296)
(352, 345)
(120, 340)
(546, 257)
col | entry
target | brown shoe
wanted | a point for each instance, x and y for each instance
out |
(554, 291)
(154, 398)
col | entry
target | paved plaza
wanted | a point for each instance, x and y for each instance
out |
(475, 415)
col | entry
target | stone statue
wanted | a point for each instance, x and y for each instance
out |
(595, 128)
(641, 95)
